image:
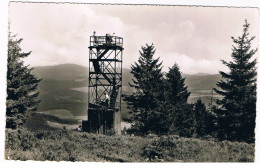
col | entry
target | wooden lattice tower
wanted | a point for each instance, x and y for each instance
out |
(105, 85)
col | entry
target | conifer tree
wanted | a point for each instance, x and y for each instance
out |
(211, 117)
(182, 119)
(177, 92)
(176, 96)
(148, 94)
(237, 111)
(200, 117)
(21, 86)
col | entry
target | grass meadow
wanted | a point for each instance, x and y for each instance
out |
(70, 145)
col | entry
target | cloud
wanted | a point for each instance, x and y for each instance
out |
(190, 65)
(59, 33)
(187, 26)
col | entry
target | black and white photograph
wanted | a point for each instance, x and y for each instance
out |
(131, 83)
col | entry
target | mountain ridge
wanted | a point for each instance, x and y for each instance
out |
(57, 66)
(65, 72)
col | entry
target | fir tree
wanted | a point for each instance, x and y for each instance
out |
(148, 94)
(200, 117)
(237, 111)
(21, 86)
(182, 119)
(176, 96)
(177, 92)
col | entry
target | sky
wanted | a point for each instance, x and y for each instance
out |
(196, 38)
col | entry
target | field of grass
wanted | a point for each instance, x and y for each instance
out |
(68, 145)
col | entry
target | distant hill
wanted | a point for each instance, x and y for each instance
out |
(197, 74)
(67, 72)
(72, 72)
(61, 72)
(200, 85)
(57, 89)
(201, 81)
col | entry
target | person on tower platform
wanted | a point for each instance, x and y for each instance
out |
(95, 42)
(108, 38)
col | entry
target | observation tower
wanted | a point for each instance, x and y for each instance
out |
(105, 85)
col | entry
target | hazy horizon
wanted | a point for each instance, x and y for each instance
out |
(196, 38)
(123, 68)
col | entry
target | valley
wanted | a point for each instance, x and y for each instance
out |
(64, 91)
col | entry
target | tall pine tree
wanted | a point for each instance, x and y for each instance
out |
(177, 92)
(148, 94)
(237, 111)
(179, 111)
(21, 86)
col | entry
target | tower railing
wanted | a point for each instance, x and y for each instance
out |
(106, 41)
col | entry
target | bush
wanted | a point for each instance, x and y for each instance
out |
(67, 145)
(152, 153)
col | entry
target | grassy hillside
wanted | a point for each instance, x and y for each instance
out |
(64, 145)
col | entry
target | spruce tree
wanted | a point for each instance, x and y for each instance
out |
(182, 119)
(21, 86)
(176, 96)
(177, 92)
(237, 111)
(148, 94)
(200, 117)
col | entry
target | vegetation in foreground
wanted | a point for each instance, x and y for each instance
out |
(65, 145)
